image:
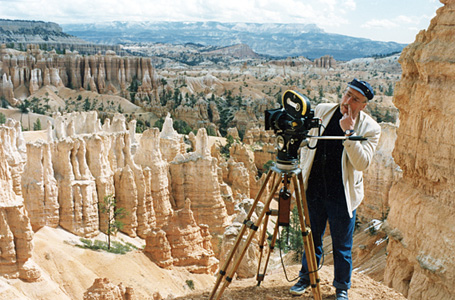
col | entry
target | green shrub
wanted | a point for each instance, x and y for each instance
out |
(190, 284)
(115, 247)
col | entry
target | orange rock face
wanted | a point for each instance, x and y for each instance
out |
(421, 261)
(158, 249)
(380, 176)
(103, 289)
(189, 242)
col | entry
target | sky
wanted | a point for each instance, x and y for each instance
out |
(380, 20)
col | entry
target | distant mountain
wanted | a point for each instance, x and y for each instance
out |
(48, 35)
(19, 31)
(278, 40)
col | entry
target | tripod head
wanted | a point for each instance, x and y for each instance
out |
(291, 124)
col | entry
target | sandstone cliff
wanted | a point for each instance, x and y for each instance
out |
(421, 261)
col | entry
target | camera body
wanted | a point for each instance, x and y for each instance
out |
(291, 124)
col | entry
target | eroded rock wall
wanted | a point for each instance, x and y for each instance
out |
(16, 233)
(38, 182)
(379, 177)
(190, 243)
(149, 156)
(421, 261)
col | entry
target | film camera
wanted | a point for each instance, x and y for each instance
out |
(291, 124)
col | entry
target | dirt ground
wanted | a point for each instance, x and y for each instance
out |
(276, 287)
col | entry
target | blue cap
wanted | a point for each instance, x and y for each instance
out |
(363, 87)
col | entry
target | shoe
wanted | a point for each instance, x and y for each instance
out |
(300, 287)
(341, 294)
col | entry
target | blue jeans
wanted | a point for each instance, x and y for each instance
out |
(332, 208)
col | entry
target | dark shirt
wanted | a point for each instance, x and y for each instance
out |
(326, 175)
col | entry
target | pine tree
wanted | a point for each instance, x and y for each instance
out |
(114, 214)
(290, 238)
(37, 124)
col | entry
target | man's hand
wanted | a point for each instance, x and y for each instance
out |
(347, 122)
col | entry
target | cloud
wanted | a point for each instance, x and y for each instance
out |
(340, 16)
(415, 20)
(320, 12)
(350, 4)
(399, 21)
(384, 23)
(407, 19)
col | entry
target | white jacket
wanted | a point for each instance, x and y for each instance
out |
(356, 157)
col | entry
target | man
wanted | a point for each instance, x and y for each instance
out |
(334, 179)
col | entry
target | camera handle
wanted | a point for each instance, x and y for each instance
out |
(351, 138)
(318, 137)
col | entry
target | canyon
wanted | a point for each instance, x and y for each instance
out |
(187, 194)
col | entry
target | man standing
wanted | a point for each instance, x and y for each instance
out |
(334, 179)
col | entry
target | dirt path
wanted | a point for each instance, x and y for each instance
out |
(276, 287)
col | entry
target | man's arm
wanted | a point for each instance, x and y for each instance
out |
(360, 153)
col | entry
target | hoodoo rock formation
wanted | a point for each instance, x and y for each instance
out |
(190, 243)
(16, 233)
(171, 143)
(195, 176)
(83, 162)
(104, 74)
(102, 288)
(149, 155)
(250, 261)
(326, 62)
(421, 261)
(108, 82)
(38, 182)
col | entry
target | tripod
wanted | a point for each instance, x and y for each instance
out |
(280, 174)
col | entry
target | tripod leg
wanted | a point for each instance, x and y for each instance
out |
(260, 277)
(223, 270)
(308, 224)
(249, 239)
(304, 218)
